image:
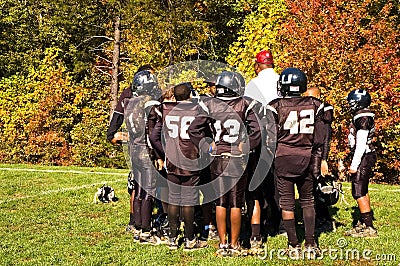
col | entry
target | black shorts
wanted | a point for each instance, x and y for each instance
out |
(360, 180)
(230, 181)
(304, 186)
(183, 190)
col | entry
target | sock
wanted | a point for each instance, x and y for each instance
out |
(290, 227)
(137, 214)
(147, 206)
(255, 230)
(131, 219)
(188, 216)
(309, 223)
(173, 212)
(366, 218)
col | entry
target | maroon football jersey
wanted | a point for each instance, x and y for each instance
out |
(232, 120)
(362, 120)
(182, 155)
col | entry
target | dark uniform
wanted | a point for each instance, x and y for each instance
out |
(362, 120)
(136, 110)
(228, 117)
(296, 119)
(181, 161)
(181, 155)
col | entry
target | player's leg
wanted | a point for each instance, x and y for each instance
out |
(236, 197)
(305, 186)
(287, 204)
(207, 204)
(360, 182)
(173, 209)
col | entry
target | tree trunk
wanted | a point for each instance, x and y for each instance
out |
(115, 65)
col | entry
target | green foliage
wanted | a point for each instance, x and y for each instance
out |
(28, 28)
(47, 120)
(259, 31)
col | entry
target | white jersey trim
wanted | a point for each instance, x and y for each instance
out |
(363, 115)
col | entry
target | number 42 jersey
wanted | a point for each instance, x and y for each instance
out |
(296, 120)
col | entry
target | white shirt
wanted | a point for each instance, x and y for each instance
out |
(263, 87)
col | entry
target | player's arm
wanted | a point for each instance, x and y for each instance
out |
(325, 149)
(153, 117)
(362, 126)
(270, 125)
(198, 133)
(328, 118)
(254, 133)
(113, 135)
(156, 140)
(117, 120)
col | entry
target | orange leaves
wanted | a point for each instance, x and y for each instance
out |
(343, 45)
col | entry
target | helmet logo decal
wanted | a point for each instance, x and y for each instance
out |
(361, 92)
(289, 79)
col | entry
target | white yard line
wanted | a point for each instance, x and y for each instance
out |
(61, 189)
(53, 191)
(60, 171)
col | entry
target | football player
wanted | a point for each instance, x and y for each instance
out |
(236, 132)
(320, 157)
(116, 138)
(183, 171)
(136, 110)
(296, 118)
(362, 129)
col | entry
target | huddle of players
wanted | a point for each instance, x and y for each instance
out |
(189, 132)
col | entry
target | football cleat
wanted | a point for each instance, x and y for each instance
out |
(148, 238)
(361, 230)
(256, 246)
(293, 252)
(194, 244)
(172, 243)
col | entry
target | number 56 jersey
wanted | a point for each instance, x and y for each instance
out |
(296, 120)
(182, 156)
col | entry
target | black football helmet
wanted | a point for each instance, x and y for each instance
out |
(145, 83)
(327, 191)
(358, 99)
(230, 84)
(292, 82)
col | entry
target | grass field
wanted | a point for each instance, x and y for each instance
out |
(48, 218)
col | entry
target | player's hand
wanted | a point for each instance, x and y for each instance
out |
(341, 166)
(244, 147)
(119, 137)
(324, 168)
(352, 171)
(240, 147)
(212, 148)
(159, 164)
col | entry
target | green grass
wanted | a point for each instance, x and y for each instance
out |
(48, 218)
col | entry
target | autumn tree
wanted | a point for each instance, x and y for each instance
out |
(346, 45)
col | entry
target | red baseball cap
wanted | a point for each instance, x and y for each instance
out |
(265, 57)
